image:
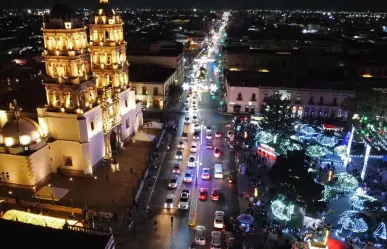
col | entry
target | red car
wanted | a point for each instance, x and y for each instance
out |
(216, 152)
(218, 134)
(176, 169)
(215, 194)
(203, 194)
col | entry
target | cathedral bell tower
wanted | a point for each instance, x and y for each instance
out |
(69, 82)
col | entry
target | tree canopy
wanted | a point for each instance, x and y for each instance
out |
(369, 103)
(290, 178)
(277, 111)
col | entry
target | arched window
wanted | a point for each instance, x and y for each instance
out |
(155, 91)
(144, 90)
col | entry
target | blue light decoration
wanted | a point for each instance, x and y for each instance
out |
(340, 150)
(381, 231)
(282, 211)
(308, 130)
(352, 221)
(245, 219)
(265, 137)
(347, 138)
(329, 141)
(361, 201)
(366, 158)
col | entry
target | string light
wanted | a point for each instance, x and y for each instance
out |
(329, 141)
(282, 211)
(316, 151)
(351, 220)
(289, 145)
(308, 130)
(340, 150)
(381, 231)
(366, 157)
(360, 201)
(343, 182)
(265, 137)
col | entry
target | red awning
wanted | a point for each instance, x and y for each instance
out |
(328, 126)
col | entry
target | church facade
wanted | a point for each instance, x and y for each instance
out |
(90, 110)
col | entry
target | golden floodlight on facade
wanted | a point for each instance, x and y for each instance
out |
(38, 220)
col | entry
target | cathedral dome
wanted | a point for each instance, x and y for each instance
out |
(20, 132)
(62, 11)
(104, 9)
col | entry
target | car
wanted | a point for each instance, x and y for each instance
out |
(185, 192)
(186, 103)
(209, 136)
(215, 240)
(184, 201)
(179, 155)
(209, 145)
(203, 194)
(195, 119)
(191, 162)
(186, 120)
(184, 135)
(196, 127)
(219, 219)
(188, 176)
(180, 145)
(195, 96)
(196, 135)
(169, 202)
(215, 194)
(193, 148)
(186, 109)
(195, 108)
(206, 175)
(200, 237)
(172, 183)
(208, 128)
(230, 133)
(216, 152)
(218, 134)
(194, 103)
(176, 169)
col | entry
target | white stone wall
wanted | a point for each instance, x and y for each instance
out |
(17, 167)
(41, 163)
(61, 149)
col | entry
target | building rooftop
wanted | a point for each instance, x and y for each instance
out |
(149, 73)
(21, 235)
(168, 52)
(288, 80)
(245, 49)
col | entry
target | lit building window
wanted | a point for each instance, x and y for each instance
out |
(67, 25)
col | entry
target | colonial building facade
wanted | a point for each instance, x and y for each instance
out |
(90, 108)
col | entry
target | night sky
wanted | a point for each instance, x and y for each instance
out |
(360, 5)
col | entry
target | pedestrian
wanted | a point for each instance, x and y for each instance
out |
(171, 220)
(131, 170)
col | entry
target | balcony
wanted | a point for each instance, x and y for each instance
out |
(311, 103)
(253, 99)
(298, 102)
(239, 99)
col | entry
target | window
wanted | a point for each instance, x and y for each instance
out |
(239, 96)
(311, 102)
(92, 125)
(68, 161)
(135, 90)
(298, 98)
(144, 91)
(335, 101)
(126, 103)
(321, 100)
(127, 124)
(253, 97)
(155, 91)
(107, 35)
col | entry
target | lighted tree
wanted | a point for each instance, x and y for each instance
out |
(290, 178)
(277, 111)
(367, 103)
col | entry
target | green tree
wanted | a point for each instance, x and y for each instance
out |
(290, 178)
(277, 112)
(369, 103)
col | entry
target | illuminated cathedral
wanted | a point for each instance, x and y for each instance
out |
(90, 110)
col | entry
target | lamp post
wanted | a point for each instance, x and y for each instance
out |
(4, 177)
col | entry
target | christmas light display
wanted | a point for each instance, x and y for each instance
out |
(329, 141)
(360, 201)
(381, 231)
(308, 130)
(282, 211)
(265, 137)
(350, 142)
(343, 182)
(366, 158)
(38, 220)
(316, 151)
(352, 221)
(288, 145)
(340, 150)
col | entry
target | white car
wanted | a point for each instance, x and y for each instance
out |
(186, 109)
(200, 235)
(195, 119)
(208, 129)
(193, 148)
(172, 182)
(180, 145)
(195, 97)
(195, 108)
(206, 175)
(169, 202)
(196, 127)
(215, 240)
(186, 120)
(209, 136)
(230, 133)
(188, 176)
(186, 103)
(191, 162)
(184, 200)
(219, 219)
